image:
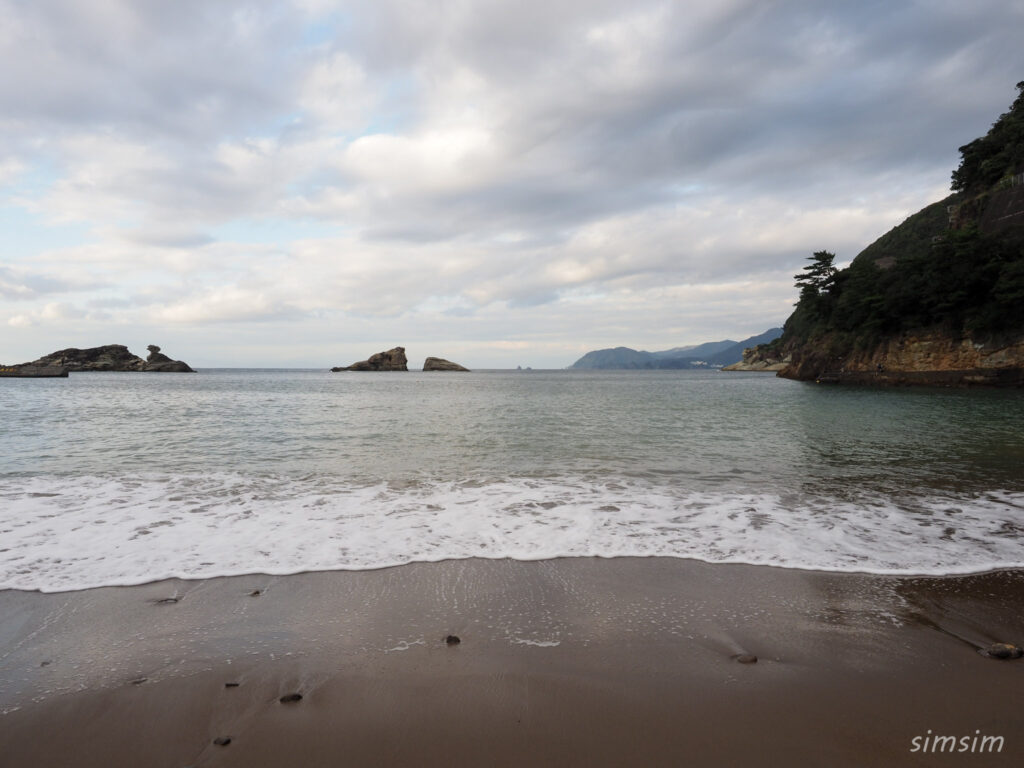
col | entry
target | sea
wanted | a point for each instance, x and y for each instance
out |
(125, 478)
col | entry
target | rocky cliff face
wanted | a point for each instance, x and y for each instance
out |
(391, 360)
(112, 357)
(440, 364)
(938, 299)
(932, 357)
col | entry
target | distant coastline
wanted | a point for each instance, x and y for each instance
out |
(713, 354)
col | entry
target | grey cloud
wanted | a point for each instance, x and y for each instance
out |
(18, 284)
(188, 68)
(745, 101)
(710, 108)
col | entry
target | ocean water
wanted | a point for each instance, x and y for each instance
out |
(110, 478)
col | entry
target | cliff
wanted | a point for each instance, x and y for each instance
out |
(930, 357)
(112, 357)
(938, 299)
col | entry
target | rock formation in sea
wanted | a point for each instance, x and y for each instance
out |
(440, 364)
(161, 363)
(112, 357)
(391, 360)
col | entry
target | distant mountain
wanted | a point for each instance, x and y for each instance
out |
(619, 357)
(698, 351)
(709, 355)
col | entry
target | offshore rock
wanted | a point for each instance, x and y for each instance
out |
(112, 357)
(161, 363)
(440, 364)
(392, 360)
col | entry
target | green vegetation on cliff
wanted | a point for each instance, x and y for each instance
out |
(999, 154)
(956, 267)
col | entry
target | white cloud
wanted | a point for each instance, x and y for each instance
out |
(10, 169)
(228, 303)
(494, 174)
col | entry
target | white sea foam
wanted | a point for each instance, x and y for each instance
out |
(62, 533)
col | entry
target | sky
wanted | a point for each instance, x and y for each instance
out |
(499, 183)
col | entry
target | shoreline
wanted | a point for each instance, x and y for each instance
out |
(283, 574)
(573, 661)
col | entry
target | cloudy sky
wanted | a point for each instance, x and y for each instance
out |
(497, 182)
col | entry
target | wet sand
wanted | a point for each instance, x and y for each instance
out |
(575, 662)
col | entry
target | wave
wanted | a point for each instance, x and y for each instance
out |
(72, 532)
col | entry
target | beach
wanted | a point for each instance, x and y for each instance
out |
(573, 661)
(262, 568)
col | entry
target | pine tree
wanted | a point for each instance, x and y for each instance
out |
(819, 276)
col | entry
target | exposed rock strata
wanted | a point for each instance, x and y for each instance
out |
(926, 358)
(391, 360)
(112, 357)
(440, 364)
(757, 359)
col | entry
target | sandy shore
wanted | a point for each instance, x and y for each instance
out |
(588, 662)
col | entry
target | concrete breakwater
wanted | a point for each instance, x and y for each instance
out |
(33, 372)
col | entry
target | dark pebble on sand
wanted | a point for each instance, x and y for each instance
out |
(231, 685)
(452, 640)
(44, 663)
(139, 680)
(256, 593)
(747, 658)
(222, 741)
(167, 600)
(1002, 651)
(290, 698)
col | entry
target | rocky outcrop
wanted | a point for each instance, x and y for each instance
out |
(112, 357)
(440, 364)
(158, 362)
(391, 360)
(924, 358)
(759, 358)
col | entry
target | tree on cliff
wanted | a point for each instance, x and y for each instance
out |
(964, 281)
(999, 153)
(818, 277)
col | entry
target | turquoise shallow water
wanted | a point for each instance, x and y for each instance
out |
(119, 478)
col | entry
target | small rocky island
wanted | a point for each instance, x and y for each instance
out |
(440, 364)
(391, 360)
(112, 357)
(395, 360)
